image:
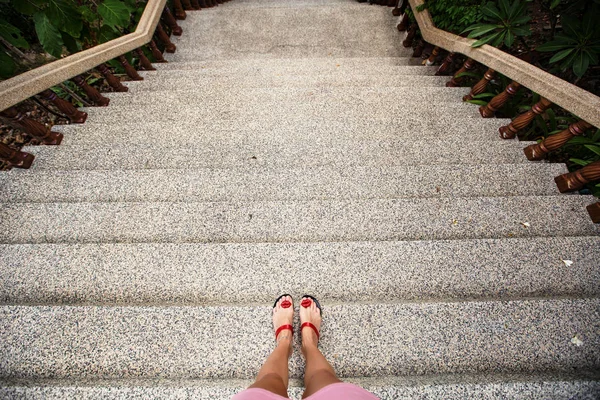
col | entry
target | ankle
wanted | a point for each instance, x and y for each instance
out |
(309, 339)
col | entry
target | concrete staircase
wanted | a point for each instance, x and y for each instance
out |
(294, 147)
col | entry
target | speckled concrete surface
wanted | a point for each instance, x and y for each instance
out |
(450, 387)
(169, 273)
(359, 339)
(293, 153)
(259, 183)
(297, 221)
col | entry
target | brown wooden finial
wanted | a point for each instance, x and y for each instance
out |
(510, 131)
(74, 115)
(499, 100)
(15, 158)
(144, 62)
(112, 80)
(443, 69)
(456, 79)
(172, 22)
(187, 5)
(91, 92)
(576, 180)
(179, 11)
(156, 53)
(538, 151)
(163, 37)
(403, 25)
(410, 36)
(129, 70)
(34, 128)
(481, 85)
(418, 50)
(594, 210)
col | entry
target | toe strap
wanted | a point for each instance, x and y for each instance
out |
(283, 328)
(314, 328)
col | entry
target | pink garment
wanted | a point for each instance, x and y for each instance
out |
(335, 391)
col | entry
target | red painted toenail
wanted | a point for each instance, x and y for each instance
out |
(286, 304)
(306, 303)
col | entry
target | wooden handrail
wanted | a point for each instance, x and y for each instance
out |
(30, 83)
(570, 97)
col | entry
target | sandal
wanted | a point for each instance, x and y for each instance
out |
(307, 301)
(284, 304)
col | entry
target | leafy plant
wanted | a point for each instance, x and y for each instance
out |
(504, 23)
(453, 15)
(578, 45)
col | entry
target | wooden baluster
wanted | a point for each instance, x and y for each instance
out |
(74, 115)
(431, 59)
(410, 36)
(91, 92)
(156, 53)
(179, 11)
(34, 128)
(171, 22)
(195, 5)
(15, 158)
(403, 25)
(163, 37)
(129, 70)
(456, 79)
(538, 151)
(392, 3)
(418, 51)
(220, 1)
(576, 180)
(204, 4)
(112, 80)
(187, 5)
(521, 121)
(144, 62)
(594, 210)
(499, 100)
(481, 85)
(443, 69)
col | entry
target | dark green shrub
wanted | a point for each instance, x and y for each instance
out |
(453, 15)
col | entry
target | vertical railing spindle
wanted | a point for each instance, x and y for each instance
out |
(179, 11)
(576, 180)
(538, 151)
(112, 80)
(144, 62)
(510, 131)
(156, 53)
(34, 128)
(15, 158)
(481, 85)
(91, 92)
(163, 37)
(74, 115)
(457, 79)
(594, 210)
(489, 110)
(129, 70)
(172, 22)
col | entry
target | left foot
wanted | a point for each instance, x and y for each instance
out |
(283, 314)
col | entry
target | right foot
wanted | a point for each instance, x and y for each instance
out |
(310, 314)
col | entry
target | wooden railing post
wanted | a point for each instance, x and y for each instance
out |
(418, 51)
(410, 36)
(163, 37)
(144, 62)
(172, 22)
(576, 180)
(32, 127)
(195, 5)
(179, 11)
(112, 80)
(91, 92)
(15, 158)
(129, 70)
(456, 79)
(187, 5)
(481, 85)
(403, 25)
(594, 210)
(431, 59)
(443, 69)
(74, 115)
(510, 131)
(538, 151)
(156, 53)
(499, 100)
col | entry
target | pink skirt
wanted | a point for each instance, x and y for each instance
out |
(335, 391)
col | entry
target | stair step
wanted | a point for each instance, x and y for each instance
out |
(260, 183)
(282, 4)
(563, 386)
(297, 221)
(359, 339)
(195, 130)
(219, 274)
(291, 154)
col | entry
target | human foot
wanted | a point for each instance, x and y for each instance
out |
(310, 320)
(283, 318)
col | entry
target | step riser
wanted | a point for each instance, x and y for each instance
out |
(383, 153)
(359, 340)
(298, 221)
(204, 274)
(255, 184)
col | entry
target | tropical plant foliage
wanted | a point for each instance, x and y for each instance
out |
(504, 22)
(453, 15)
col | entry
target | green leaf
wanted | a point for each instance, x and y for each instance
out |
(594, 148)
(480, 29)
(65, 16)
(596, 137)
(578, 161)
(27, 7)
(107, 34)
(510, 39)
(485, 40)
(114, 13)
(560, 55)
(12, 35)
(552, 46)
(579, 140)
(48, 35)
(554, 4)
(490, 10)
(7, 65)
(581, 65)
(477, 102)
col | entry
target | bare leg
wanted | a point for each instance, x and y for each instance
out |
(318, 373)
(273, 375)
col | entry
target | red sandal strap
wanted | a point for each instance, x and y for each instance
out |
(314, 328)
(282, 328)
